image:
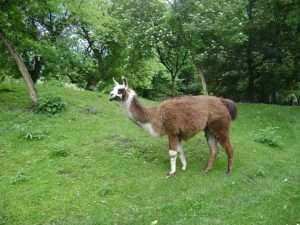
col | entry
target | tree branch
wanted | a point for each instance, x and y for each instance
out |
(163, 61)
(91, 42)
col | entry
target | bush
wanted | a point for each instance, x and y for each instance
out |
(19, 178)
(38, 135)
(50, 105)
(268, 136)
(57, 153)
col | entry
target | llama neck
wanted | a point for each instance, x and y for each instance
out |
(135, 110)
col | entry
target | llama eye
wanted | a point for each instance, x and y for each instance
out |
(121, 91)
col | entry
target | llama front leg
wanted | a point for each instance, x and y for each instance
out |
(173, 147)
(173, 157)
(182, 156)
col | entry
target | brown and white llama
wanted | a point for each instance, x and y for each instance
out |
(181, 118)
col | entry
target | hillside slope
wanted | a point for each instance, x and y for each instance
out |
(91, 165)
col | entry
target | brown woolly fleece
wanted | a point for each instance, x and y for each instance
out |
(185, 116)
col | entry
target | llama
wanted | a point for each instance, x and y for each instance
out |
(181, 118)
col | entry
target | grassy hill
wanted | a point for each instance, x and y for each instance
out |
(91, 165)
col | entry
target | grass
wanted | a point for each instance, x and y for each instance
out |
(91, 165)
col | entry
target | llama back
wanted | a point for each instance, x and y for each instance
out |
(184, 116)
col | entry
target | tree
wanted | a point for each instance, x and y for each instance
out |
(244, 49)
(170, 43)
(100, 35)
(22, 68)
(211, 28)
(12, 16)
(172, 54)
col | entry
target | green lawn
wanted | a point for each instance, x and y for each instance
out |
(91, 165)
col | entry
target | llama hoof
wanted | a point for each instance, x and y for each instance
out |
(228, 173)
(171, 174)
(206, 170)
(183, 168)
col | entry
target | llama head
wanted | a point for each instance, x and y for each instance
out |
(120, 92)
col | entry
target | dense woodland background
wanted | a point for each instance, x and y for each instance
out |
(248, 50)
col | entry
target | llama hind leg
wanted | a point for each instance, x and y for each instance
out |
(225, 142)
(212, 144)
(229, 152)
(182, 156)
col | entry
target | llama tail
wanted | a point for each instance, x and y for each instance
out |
(231, 106)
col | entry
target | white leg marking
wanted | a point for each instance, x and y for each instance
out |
(212, 142)
(173, 157)
(182, 157)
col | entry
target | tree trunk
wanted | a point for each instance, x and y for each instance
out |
(22, 68)
(250, 57)
(37, 69)
(202, 80)
(251, 75)
(173, 85)
(200, 75)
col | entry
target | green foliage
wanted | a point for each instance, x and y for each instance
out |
(59, 153)
(247, 49)
(3, 220)
(159, 88)
(268, 136)
(27, 132)
(50, 105)
(20, 177)
(37, 135)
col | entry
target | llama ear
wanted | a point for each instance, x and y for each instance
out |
(125, 82)
(116, 83)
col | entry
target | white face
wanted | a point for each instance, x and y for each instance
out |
(118, 91)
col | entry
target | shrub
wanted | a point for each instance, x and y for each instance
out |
(19, 178)
(36, 135)
(59, 153)
(50, 105)
(29, 133)
(268, 136)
